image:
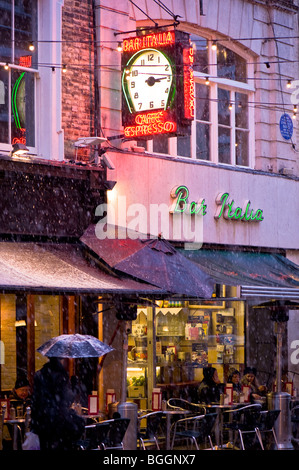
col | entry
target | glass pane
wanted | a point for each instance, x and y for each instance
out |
(230, 65)
(22, 104)
(184, 146)
(200, 46)
(242, 148)
(47, 322)
(160, 144)
(202, 141)
(223, 107)
(25, 26)
(4, 106)
(202, 102)
(241, 107)
(224, 145)
(5, 31)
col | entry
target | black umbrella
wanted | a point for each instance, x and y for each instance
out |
(74, 346)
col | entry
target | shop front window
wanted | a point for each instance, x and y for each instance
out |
(18, 31)
(186, 337)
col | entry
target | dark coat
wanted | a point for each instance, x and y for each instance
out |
(57, 425)
(208, 391)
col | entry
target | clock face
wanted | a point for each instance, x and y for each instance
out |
(147, 81)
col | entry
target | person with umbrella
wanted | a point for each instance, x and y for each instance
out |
(52, 418)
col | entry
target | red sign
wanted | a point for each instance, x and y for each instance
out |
(151, 40)
(151, 123)
(25, 61)
(188, 60)
(157, 73)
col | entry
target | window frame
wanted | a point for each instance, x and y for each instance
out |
(234, 87)
(11, 67)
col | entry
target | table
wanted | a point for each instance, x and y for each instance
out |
(15, 423)
(169, 414)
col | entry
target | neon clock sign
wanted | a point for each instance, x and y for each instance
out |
(18, 102)
(157, 85)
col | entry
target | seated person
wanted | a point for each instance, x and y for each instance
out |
(250, 380)
(210, 388)
(19, 399)
(235, 379)
(20, 394)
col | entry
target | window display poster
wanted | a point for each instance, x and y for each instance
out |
(199, 355)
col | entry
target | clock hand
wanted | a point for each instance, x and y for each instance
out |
(152, 80)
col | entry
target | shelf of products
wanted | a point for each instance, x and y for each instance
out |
(184, 340)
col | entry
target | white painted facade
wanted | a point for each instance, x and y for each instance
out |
(148, 178)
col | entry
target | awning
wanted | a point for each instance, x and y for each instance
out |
(60, 268)
(238, 268)
(154, 261)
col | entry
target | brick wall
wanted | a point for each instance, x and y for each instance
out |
(78, 97)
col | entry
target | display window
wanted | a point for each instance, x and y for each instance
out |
(171, 343)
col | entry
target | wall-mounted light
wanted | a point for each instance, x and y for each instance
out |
(88, 141)
(107, 162)
(19, 150)
(207, 81)
(119, 47)
(289, 84)
(230, 106)
(6, 66)
(19, 323)
(31, 47)
(64, 68)
(214, 46)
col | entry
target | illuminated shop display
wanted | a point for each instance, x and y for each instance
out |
(157, 85)
(187, 336)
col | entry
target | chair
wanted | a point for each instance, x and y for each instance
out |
(116, 433)
(149, 434)
(266, 423)
(195, 429)
(242, 421)
(180, 404)
(94, 436)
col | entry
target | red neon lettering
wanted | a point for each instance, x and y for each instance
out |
(18, 140)
(25, 61)
(151, 40)
(188, 60)
(150, 124)
(149, 118)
